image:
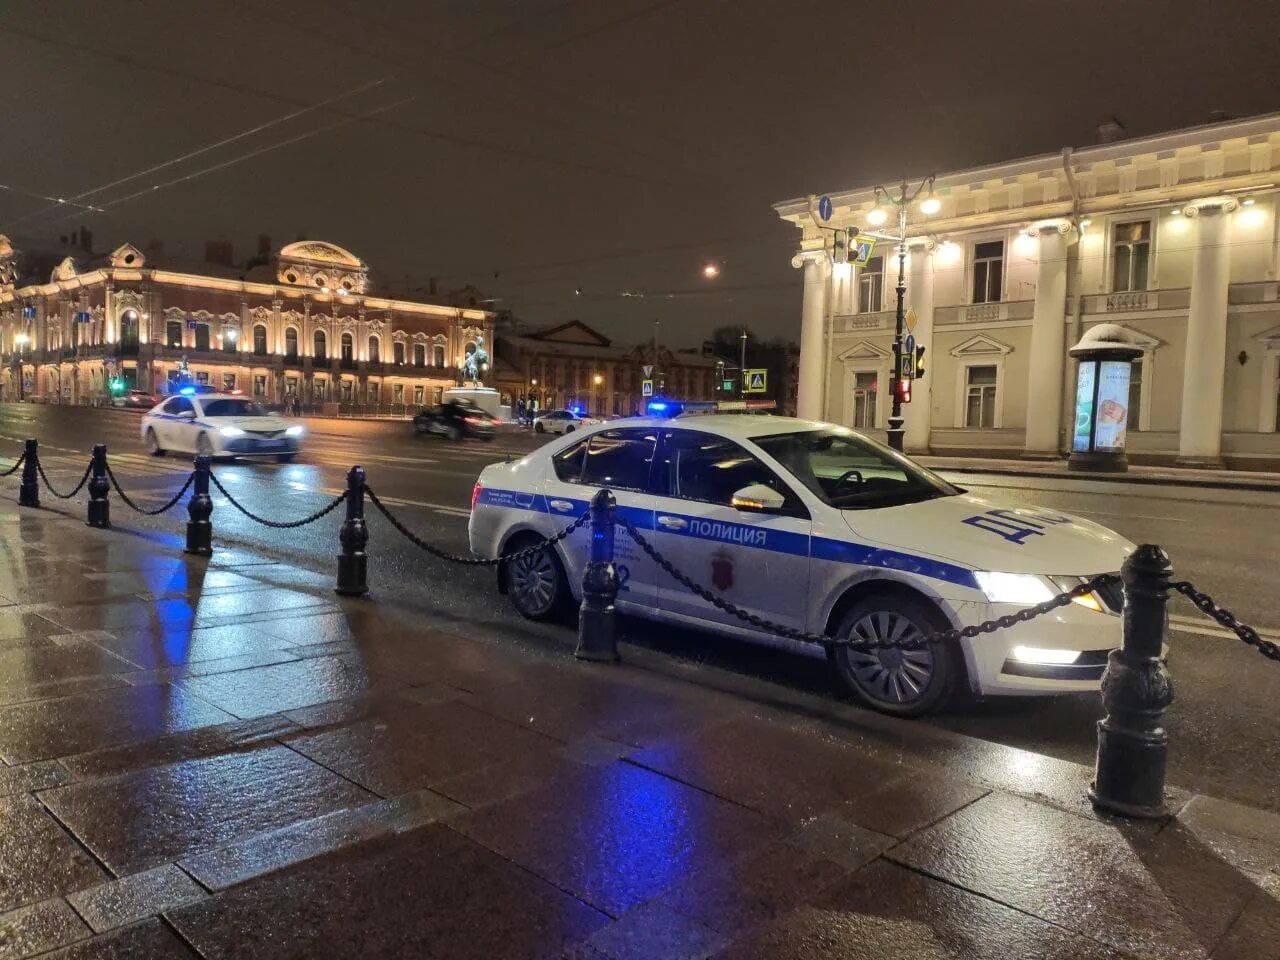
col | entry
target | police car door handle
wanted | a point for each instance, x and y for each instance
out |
(673, 523)
(564, 506)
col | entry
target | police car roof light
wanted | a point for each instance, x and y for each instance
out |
(187, 391)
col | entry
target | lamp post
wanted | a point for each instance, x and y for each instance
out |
(742, 364)
(929, 205)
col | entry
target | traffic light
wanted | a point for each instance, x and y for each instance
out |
(840, 247)
(117, 385)
(903, 386)
(919, 370)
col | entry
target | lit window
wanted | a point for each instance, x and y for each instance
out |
(988, 271)
(1131, 255)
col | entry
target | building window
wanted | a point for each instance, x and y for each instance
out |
(129, 328)
(348, 347)
(260, 340)
(375, 392)
(320, 347)
(1130, 255)
(871, 286)
(291, 343)
(202, 336)
(417, 396)
(988, 271)
(397, 393)
(375, 350)
(865, 390)
(397, 350)
(260, 385)
(437, 394)
(438, 356)
(980, 396)
(229, 335)
(228, 382)
(202, 376)
(347, 388)
(172, 334)
(419, 354)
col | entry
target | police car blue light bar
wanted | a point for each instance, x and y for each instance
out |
(678, 408)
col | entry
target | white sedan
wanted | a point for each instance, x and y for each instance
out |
(562, 421)
(820, 529)
(219, 425)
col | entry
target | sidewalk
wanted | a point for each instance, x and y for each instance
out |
(1175, 476)
(222, 759)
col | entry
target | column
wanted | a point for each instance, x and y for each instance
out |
(1047, 358)
(1200, 436)
(841, 289)
(918, 413)
(809, 401)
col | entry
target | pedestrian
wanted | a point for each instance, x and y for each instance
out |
(520, 409)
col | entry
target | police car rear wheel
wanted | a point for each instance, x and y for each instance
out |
(536, 582)
(904, 682)
(153, 443)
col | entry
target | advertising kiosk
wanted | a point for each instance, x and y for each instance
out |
(1100, 424)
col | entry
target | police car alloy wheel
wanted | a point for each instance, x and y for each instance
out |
(538, 427)
(907, 683)
(153, 443)
(535, 582)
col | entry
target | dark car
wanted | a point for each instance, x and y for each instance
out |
(456, 419)
(137, 400)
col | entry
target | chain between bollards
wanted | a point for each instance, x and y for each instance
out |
(1136, 689)
(200, 511)
(353, 564)
(597, 617)
(99, 513)
(29, 491)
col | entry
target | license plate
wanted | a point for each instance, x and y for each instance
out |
(270, 444)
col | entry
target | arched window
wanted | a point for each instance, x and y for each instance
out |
(375, 349)
(129, 329)
(172, 333)
(438, 355)
(260, 340)
(202, 336)
(229, 337)
(320, 346)
(419, 354)
(291, 343)
(348, 347)
(398, 349)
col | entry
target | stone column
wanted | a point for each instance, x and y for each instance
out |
(919, 412)
(1200, 428)
(809, 401)
(841, 289)
(1047, 359)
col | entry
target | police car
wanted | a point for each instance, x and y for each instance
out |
(819, 528)
(218, 425)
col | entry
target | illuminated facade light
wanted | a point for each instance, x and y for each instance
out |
(877, 216)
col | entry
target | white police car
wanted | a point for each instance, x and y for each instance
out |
(218, 425)
(818, 528)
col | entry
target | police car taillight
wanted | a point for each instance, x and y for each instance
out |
(475, 494)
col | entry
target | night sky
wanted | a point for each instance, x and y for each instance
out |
(611, 146)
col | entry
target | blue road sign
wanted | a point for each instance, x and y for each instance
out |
(824, 207)
(910, 345)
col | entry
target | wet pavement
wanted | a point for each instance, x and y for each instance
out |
(220, 758)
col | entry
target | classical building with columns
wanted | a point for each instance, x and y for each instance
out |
(303, 323)
(1174, 237)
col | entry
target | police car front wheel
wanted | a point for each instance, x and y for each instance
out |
(901, 681)
(535, 582)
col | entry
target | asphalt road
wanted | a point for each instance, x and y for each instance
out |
(1221, 726)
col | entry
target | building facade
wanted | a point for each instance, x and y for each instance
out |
(570, 365)
(303, 325)
(1174, 237)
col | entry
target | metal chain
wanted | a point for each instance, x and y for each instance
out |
(53, 490)
(277, 524)
(473, 561)
(946, 636)
(111, 475)
(1205, 604)
(14, 469)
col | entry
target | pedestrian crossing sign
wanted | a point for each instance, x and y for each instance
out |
(860, 250)
(756, 381)
(646, 388)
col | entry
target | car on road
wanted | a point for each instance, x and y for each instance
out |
(219, 425)
(562, 421)
(817, 528)
(136, 400)
(456, 420)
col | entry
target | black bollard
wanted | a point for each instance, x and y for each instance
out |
(99, 508)
(1136, 689)
(352, 563)
(597, 618)
(200, 512)
(29, 492)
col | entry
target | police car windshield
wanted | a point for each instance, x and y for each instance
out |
(852, 472)
(235, 407)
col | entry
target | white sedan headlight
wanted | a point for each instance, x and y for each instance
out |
(1024, 589)
(294, 432)
(231, 431)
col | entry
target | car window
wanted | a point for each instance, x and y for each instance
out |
(568, 462)
(237, 407)
(618, 459)
(708, 468)
(178, 405)
(852, 472)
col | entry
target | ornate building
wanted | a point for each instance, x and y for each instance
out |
(303, 325)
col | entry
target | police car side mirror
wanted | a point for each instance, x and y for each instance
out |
(758, 498)
(187, 415)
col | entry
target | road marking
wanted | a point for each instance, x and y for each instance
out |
(1199, 625)
(1129, 516)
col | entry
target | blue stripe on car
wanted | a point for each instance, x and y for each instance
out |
(748, 535)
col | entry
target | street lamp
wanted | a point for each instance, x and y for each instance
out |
(597, 379)
(711, 270)
(930, 204)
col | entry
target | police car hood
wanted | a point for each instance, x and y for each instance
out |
(254, 424)
(984, 534)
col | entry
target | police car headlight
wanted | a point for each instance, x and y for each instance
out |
(231, 431)
(1041, 655)
(294, 432)
(1024, 589)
